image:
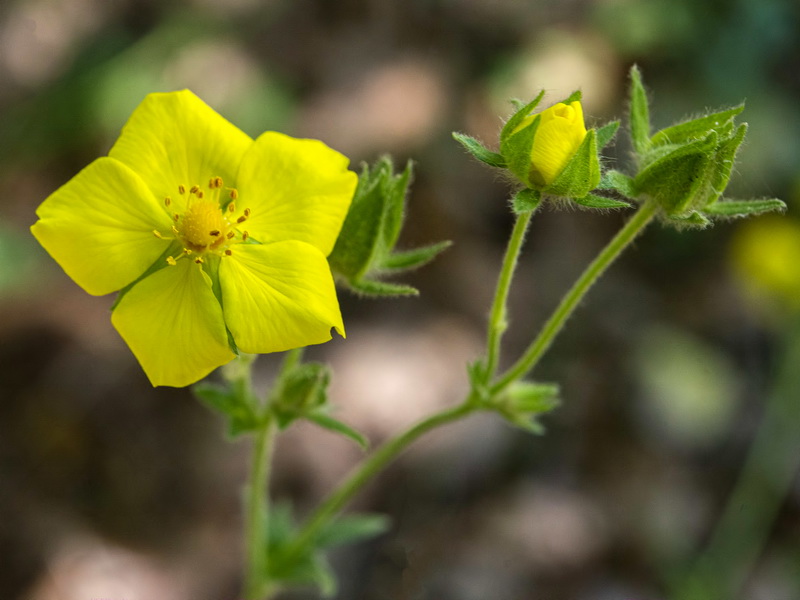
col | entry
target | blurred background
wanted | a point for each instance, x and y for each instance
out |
(670, 471)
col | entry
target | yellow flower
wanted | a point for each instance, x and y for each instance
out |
(212, 237)
(559, 134)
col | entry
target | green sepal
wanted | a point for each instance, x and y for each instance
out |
(349, 529)
(677, 179)
(619, 182)
(523, 402)
(405, 260)
(516, 150)
(479, 151)
(370, 232)
(525, 200)
(304, 390)
(239, 410)
(693, 220)
(606, 133)
(573, 97)
(381, 289)
(639, 113)
(523, 111)
(328, 422)
(479, 379)
(721, 122)
(724, 160)
(729, 209)
(593, 201)
(582, 173)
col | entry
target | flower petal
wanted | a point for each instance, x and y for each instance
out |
(278, 296)
(295, 189)
(176, 139)
(99, 227)
(173, 324)
(558, 137)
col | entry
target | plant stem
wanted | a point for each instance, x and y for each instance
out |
(568, 304)
(257, 513)
(364, 472)
(497, 317)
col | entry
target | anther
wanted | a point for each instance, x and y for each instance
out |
(171, 261)
(241, 219)
(231, 207)
(217, 182)
(245, 235)
(194, 189)
(181, 190)
(200, 193)
(177, 217)
(230, 235)
(228, 252)
(214, 232)
(198, 260)
(234, 194)
(167, 201)
(246, 212)
(158, 234)
(175, 230)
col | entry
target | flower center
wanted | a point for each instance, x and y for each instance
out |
(205, 226)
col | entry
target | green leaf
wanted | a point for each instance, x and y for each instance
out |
(744, 208)
(331, 424)
(238, 411)
(519, 116)
(693, 220)
(592, 201)
(352, 528)
(720, 122)
(382, 289)
(606, 133)
(614, 180)
(412, 259)
(640, 113)
(525, 200)
(483, 154)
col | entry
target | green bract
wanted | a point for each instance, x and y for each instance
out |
(686, 167)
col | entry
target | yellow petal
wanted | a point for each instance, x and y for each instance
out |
(278, 296)
(173, 324)
(176, 139)
(558, 137)
(99, 227)
(295, 190)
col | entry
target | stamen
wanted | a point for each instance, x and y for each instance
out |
(228, 252)
(171, 261)
(158, 234)
(181, 190)
(177, 217)
(199, 260)
(231, 207)
(199, 194)
(214, 232)
(167, 201)
(194, 189)
(241, 219)
(175, 230)
(245, 235)
(246, 212)
(217, 181)
(234, 194)
(230, 235)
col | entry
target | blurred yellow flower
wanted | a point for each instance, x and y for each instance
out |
(213, 238)
(766, 255)
(558, 136)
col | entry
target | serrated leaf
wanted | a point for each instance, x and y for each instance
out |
(352, 528)
(483, 154)
(380, 289)
(606, 133)
(614, 180)
(516, 119)
(592, 201)
(640, 113)
(698, 128)
(331, 424)
(525, 200)
(412, 259)
(744, 208)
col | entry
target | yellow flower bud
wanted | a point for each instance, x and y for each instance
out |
(558, 136)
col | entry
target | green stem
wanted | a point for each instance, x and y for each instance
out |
(568, 304)
(257, 514)
(497, 317)
(367, 469)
